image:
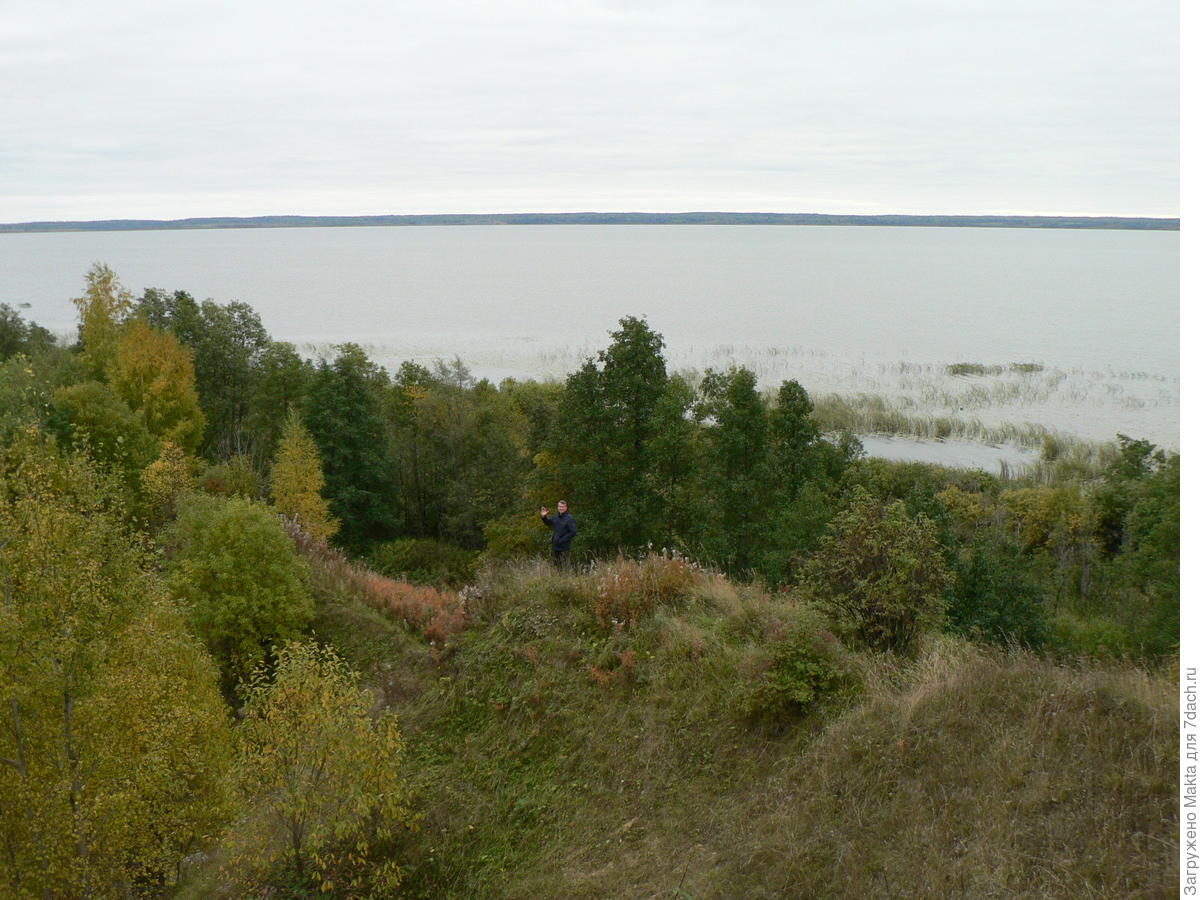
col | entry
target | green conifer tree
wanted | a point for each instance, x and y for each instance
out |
(344, 414)
(607, 442)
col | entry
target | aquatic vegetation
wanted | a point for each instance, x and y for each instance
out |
(966, 368)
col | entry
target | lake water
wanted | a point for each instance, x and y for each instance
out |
(852, 310)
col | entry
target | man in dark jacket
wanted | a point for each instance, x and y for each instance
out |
(564, 532)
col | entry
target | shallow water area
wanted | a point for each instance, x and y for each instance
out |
(994, 460)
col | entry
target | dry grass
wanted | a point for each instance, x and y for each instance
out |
(433, 612)
(978, 776)
(553, 758)
(627, 590)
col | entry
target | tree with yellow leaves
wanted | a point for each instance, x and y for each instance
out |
(103, 309)
(114, 742)
(297, 481)
(322, 775)
(164, 482)
(153, 373)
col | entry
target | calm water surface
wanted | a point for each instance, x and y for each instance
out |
(847, 309)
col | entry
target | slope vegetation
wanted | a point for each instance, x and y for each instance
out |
(648, 729)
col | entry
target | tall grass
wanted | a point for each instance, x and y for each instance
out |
(1005, 776)
(965, 368)
(874, 414)
(1060, 455)
(433, 612)
(649, 729)
(557, 755)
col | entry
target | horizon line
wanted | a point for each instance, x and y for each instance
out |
(286, 220)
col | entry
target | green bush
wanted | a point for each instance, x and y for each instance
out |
(801, 664)
(236, 477)
(235, 568)
(91, 418)
(1091, 636)
(879, 573)
(423, 561)
(996, 596)
(518, 536)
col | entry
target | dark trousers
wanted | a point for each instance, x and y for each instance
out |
(562, 559)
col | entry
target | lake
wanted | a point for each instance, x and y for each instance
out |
(1092, 315)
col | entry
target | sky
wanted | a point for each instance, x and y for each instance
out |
(176, 108)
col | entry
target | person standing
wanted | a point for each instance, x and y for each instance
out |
(565, 530)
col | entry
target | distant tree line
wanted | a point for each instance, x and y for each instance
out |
(683, 218)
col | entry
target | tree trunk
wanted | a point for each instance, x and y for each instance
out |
(76, 790)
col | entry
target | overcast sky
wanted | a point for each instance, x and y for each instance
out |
(175, 108)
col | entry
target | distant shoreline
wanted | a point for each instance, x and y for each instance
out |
(689, 218)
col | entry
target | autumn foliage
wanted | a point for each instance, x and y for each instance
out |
(165, 482)
(153, 373)
(103, 308)
(113, 737)
(434, 612)
(323, 776)
(633, 726)
(628, 590)
(297, 481)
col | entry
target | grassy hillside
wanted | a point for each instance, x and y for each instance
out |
(649, 730)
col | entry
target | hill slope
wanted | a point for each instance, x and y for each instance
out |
(557, 754)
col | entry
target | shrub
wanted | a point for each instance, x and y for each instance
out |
(1095, 637)
(968, 510)
(236, 477)
(322, 776)
(424, 560)
(628, 590)
(234, 565)
(90, 417)
(164, 483)
(879, 573)
(1060, 518)
(801, 663)
(515, 537)
(996, 597)
(434, 612)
